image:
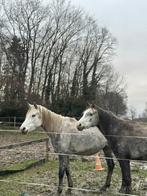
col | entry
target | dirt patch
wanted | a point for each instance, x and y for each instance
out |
(18, 154)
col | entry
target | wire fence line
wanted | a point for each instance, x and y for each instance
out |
(80, 133)
(75, 155)
(46, 139)
(9, 146)
(71, 188)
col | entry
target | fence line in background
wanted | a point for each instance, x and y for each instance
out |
(11, 121)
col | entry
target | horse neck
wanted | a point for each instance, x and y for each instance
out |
(51, 122)
(106, 121)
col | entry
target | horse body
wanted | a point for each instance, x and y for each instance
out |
(88, 143)
(128, 140)
(125, 139)
(65, 137)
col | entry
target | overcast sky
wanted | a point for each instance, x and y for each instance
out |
(127, 21)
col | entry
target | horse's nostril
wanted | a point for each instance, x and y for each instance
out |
(23, 129)
(79, 126)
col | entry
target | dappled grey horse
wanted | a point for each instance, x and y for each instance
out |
(128, 141)
(65, 137)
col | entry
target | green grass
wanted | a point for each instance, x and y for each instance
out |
(34, 175)
(18, 166)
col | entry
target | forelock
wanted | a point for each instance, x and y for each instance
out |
(30, 110)
(93, 110)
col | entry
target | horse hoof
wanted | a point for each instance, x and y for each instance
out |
(69, 191)
(103, 188)
(69, 188)
(70, 185)
(126, 190)
(60, 189)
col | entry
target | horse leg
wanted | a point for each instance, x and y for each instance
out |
(68, 174)
(110, 164)
(64, 167)
(61, 172)
(126, 176)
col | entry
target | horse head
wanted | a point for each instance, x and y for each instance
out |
(33, 119)
(90, 118)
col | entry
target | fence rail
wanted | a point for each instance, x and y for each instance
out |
(11, 121)
(10, 146)
(20, 144)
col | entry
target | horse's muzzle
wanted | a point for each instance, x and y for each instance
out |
(79, 127)
(24, 130)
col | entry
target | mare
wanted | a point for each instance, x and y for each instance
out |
(127, 140)
(65, 137)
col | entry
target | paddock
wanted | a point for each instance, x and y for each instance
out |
(42, 179)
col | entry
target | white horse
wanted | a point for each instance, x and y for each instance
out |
(65, 137)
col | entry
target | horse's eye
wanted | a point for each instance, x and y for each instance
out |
(33, 115)
(90, 114)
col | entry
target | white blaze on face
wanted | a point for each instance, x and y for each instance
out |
(90, 118)
(32, 121)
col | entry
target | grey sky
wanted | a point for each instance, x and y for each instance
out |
(127, 21)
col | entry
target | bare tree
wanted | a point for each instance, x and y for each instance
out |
(65, 55)
(144, 114)
(132, 112)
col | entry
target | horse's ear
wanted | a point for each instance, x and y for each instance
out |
(35, 105)
(88, 105)
(28, 105)
(93, 106)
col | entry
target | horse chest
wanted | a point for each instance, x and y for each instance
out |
(119, 146)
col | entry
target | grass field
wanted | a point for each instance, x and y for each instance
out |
(83, 174)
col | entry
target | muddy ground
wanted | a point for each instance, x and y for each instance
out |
(43, 180)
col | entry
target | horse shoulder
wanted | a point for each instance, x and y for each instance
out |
(69, 123)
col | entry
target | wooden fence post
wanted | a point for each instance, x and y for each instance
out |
(9, 121)
(47, 150)
(14, 121)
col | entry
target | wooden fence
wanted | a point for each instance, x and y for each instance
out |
(46, 140)
(12, 121)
